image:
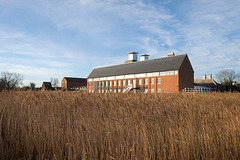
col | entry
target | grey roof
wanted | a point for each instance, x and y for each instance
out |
(151, 65)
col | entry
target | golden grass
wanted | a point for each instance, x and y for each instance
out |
(74, 125)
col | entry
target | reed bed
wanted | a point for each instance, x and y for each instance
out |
(75, 125)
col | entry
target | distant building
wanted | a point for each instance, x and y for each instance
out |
(46, 86)
(168, 74)
(72, 83)
(207, 82)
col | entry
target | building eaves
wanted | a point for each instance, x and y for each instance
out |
(74, 79)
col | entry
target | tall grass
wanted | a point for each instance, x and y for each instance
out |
(75, 125)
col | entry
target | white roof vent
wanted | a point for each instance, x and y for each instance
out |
(144, 57)
(132, 56)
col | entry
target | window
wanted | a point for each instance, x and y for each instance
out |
(110, 90)
(152, 90)
(159, 81)
(152, 80)
(110, 83)
(103, 84)
(115, 91)
(89, 84)
(146, 90)
(159, 90)
(106, 83)
(140, 82)
(129, 82)
(146, 81)
(124, 82)
(115, 83)
(119, 90)
(119, 83)
(99, 84)
(92, 84)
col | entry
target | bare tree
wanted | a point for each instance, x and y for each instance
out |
(227, 77)
(54, 82)
(10, 81)
(32, 85)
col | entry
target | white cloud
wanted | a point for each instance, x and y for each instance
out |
(208, 30)
(23, 44)
(206, 35)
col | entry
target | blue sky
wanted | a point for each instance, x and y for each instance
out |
(42, 38)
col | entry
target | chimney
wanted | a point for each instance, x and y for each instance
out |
(210, 76)
(204, 76)
(171, 54)
(132, 57)
(144, 57)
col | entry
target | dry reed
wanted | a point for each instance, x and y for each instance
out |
(75, 125)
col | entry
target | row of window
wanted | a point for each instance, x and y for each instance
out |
(165, 73)
(120, 90)
(124, 82)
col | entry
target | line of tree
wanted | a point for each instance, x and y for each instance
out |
(10, 81)
(228, 78)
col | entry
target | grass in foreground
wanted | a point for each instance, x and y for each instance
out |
(73, 125)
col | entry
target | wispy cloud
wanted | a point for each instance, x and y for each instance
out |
(82, 34)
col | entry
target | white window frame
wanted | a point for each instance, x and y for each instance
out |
(159, 81)
(146, 90)
(146, 81)
(140, 81)
(152, 80)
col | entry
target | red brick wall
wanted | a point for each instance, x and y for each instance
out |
(70, 84)
(186, 75)
(169, 83)
(64, 84)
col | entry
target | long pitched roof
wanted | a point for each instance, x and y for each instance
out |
(152, 65)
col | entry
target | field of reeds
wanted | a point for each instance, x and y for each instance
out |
(75, 125)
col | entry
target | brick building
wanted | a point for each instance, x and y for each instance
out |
(46, 86)
(72, 83)
(168, 74)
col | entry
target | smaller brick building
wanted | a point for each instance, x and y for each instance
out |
(46, 86)
(72, 83)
